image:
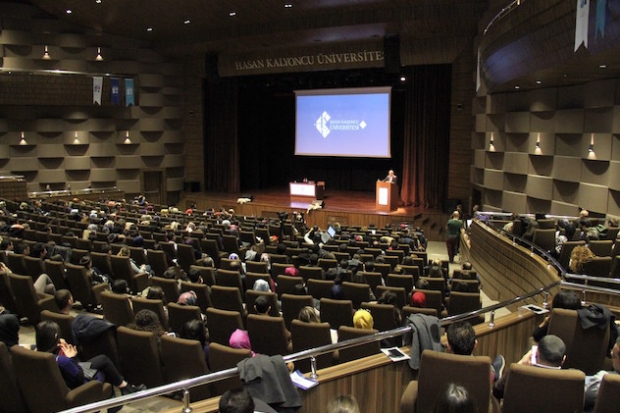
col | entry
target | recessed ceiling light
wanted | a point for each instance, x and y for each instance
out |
(98, 1)
(288, 6)
(232, 14)
(602, 66)
(538, 82)
(69, 11)
(149, 29)
(403, 78)
(188, 21)
(517, 87)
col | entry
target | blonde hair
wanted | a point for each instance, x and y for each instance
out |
(343, 404)
(309, 315)
(124, 252)
(579, 256)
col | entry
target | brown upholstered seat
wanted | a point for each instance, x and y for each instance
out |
(117, 308)
(337, 312)
(139, 357)
(359, 351)
(311, 335)
(222, 323)
(608, 397)
(29, 303)
(11, 397)
(185, 359)
(222, 357)
(179, 314)
(268, 335)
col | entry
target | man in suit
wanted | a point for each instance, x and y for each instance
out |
(391, 177)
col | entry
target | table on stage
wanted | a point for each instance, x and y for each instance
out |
(307, 189)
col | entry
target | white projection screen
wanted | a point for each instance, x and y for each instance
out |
(343, 122)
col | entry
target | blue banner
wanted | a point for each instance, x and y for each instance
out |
(601, 17)
(115, 90)
(129, 95)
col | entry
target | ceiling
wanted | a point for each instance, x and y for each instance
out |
(233, 26)
(538, 54)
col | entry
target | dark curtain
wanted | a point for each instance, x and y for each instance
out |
(221, 143)
(250, 135)
(426, 135)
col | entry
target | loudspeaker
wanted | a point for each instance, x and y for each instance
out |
(391, 53)
(211, 71)
(249, 196)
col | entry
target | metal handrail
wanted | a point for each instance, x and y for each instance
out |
(503, 12)
(314, 352)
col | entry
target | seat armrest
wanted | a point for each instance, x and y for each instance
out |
(139, 282)
(90, 392)
(409, 397)
(47, 302)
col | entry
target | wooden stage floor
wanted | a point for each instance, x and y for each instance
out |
(346, 207)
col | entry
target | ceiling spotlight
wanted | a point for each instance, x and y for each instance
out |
(232, 14)
(403, 78)
(98, 1)
(517, 87)
(69, 11)
(288, 6)
(46, 54)
(602, 66)
(538, 82)
(99, 58)
(188, 21)
(149, 29)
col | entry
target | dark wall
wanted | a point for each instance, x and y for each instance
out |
(266, 122)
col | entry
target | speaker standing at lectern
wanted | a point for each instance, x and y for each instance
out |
(391, 177)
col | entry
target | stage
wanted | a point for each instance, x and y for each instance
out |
(345, 207)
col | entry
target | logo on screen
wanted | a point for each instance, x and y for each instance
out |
(321, 124)
(325, 125)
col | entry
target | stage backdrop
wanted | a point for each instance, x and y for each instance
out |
(250, 127)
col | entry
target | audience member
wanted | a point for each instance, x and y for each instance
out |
(462, 340)
(579, 256)
(550, 354)
(363, 319)
(455, 399)
(309, 315)
(74, 372)
(196, 330)
(64, 301)
(343, 404)
(593, 383)
(567, 299)
(9, 327)
(240, 339)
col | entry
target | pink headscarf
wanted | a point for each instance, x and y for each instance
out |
(240, 339)
(291, 272)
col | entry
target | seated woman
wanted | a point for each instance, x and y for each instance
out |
(73, 372)
(147, 320)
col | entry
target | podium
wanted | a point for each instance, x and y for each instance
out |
(387, 196)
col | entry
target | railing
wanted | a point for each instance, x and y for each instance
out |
(503, 13)
(183, 386)
(85, 191)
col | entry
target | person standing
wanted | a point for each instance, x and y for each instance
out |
(391, 178)
(453, 230)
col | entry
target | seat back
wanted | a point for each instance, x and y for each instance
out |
(185, 359)
(117, 308)
(203, 296)
(337, 312)
(408, 310)
(156, 306)
(250, 299)
(598, 267)
(608, 397)
(401, 294)
(438, 369)
(7, 297)
(601, 248)
(320, 288)
(311, 272)
(179, 314)
(64, 321)
(227, 298)
(357, 293)
(121, 267)
(585, 349)
(534, 389)
(158, 261)
(310, 335)
(16, 263)
(383, 316)
(11, 397)
(185, 256)
(222, 357)
(433, 300)
(397, 280)
(33, 266)
(268, 335)
(544, 238)
(101, 260)
(292, 305)
(256, 267)
(222, 323)
(170, 287)
(139, 356)
(29, 304)
(80, 285)
(286, 284)
(354, 353)
(229, 278)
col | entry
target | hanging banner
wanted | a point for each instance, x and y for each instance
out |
(97, 87)
(601, 17)
(581, 26)
(129, 96)
(115, 91)
(478, 72)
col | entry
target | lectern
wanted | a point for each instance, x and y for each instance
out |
(387, 196)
